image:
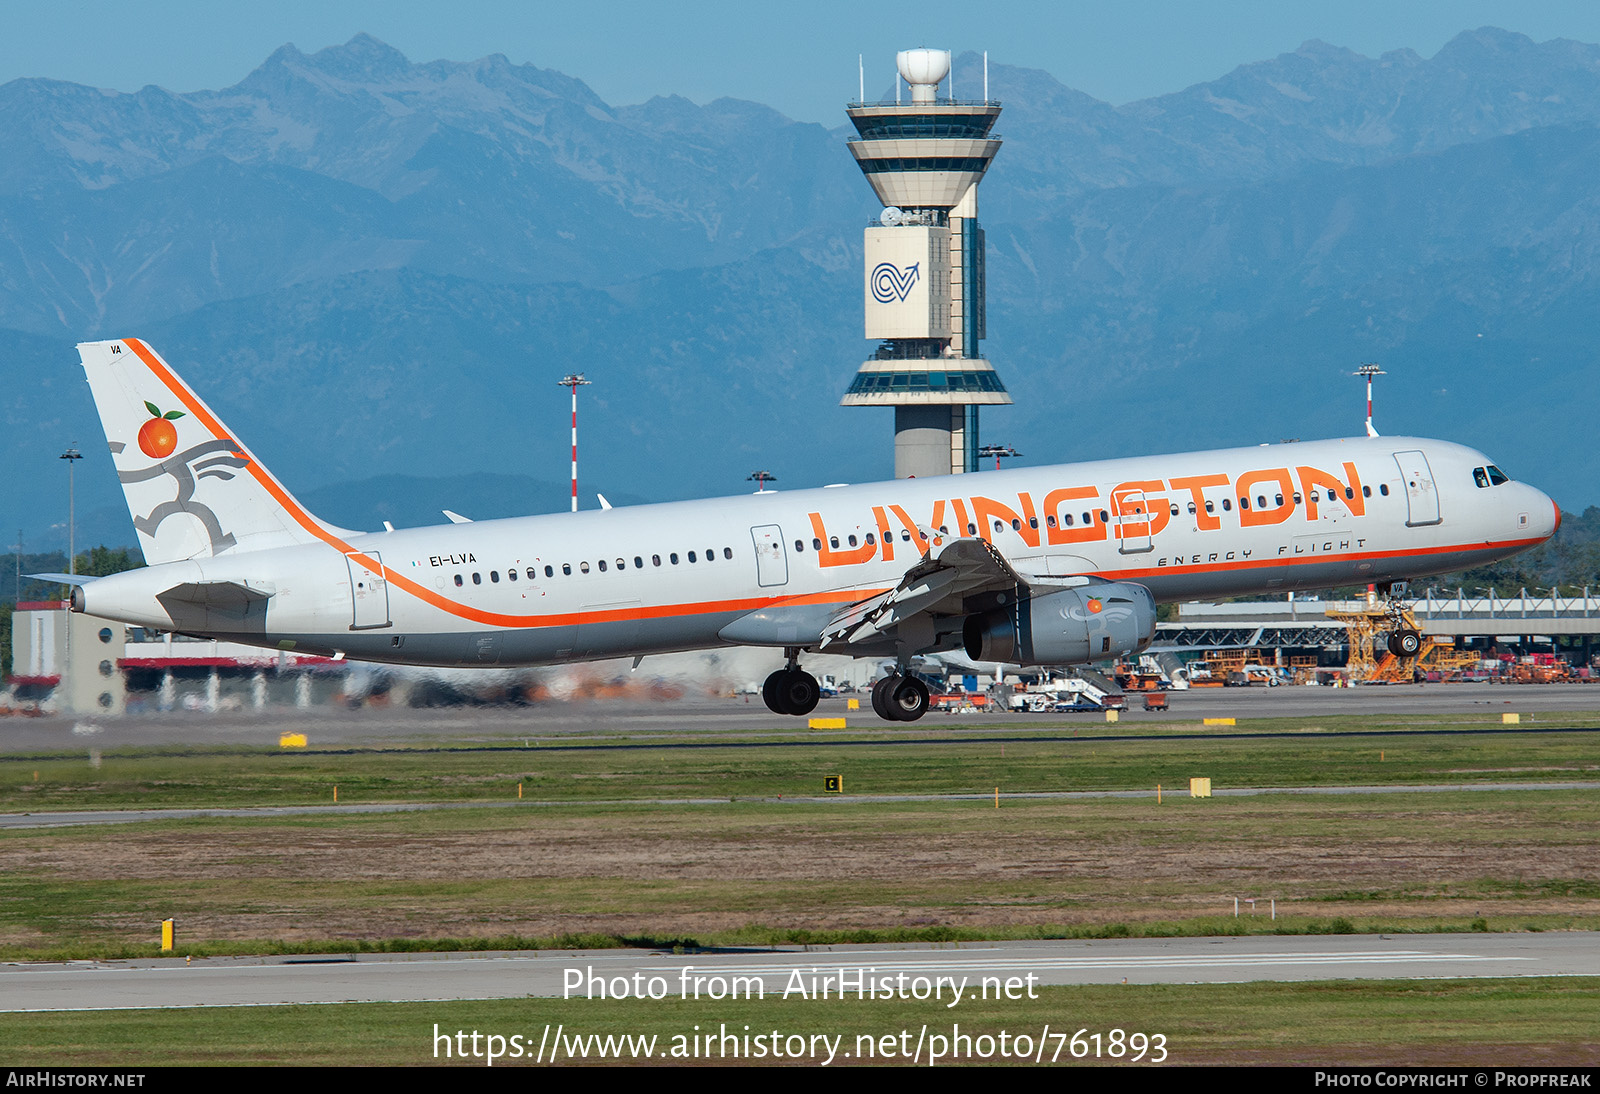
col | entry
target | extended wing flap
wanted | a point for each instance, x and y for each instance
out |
(965, 567)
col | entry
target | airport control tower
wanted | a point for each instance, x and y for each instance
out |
(924, 267)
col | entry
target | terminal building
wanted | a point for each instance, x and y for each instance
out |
(923, 270)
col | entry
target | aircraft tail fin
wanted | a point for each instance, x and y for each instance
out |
(193, 489)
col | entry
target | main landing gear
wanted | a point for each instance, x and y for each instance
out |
(791, 690)
(900, 698)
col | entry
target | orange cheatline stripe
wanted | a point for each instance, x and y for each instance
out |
(462, 611)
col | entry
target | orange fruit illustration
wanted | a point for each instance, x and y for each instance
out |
(158, 438)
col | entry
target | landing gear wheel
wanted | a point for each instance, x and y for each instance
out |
(770, 693)
(791, 691)
(909, 700)
(1405, 643)
(799, 692)
(880, 697)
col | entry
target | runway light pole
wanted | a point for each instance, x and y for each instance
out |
(72, 456)
(998, 451)
(1370, 370)
(574, 381)
(761, 478)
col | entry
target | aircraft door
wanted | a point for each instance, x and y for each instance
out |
(1132, 513)
(1422, 499)
(369, 593)
(772, 562)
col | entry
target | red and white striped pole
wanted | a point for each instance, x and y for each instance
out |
(574, 381)
(1369, 371)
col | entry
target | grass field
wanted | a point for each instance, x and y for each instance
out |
(1079, 758)
(609, 862)
(1476, 1022)
(605, 849)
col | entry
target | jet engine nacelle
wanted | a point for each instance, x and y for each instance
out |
(1070, 627)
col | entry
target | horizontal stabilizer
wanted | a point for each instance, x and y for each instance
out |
(61, 579)
(218, 596)
(457, 518)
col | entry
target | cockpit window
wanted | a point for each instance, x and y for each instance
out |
(1481, 477)
(1497, 476)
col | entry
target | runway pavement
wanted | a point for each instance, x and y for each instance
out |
(601, 720)
(119, 985)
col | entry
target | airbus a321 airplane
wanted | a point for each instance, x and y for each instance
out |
(1038, 566)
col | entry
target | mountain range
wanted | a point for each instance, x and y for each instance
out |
(376, 271)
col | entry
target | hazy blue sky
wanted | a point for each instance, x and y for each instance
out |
(800, 57)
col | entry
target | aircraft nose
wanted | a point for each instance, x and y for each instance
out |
(1546, 515)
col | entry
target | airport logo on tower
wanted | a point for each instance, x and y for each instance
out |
(891, 284)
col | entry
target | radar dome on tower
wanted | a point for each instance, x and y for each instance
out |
(924, 70)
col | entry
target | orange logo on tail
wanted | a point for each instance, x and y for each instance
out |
(158, 438)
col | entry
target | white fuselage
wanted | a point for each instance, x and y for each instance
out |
(673, 576)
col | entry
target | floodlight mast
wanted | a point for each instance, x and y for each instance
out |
(1369, 370)
(574, 381)
(998, 451)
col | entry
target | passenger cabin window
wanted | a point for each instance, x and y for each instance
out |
(727, 552)
(799, 546)
(655, 560)
(459, 582)
(511, 575)
(638, 563)
(691, 556)
(494, 576)
(1383, 488)
(673, 558)
(601, 564)
(566, 568)
(583, 567)
(477, 579)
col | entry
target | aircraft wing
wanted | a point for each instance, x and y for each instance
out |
(966, 569)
